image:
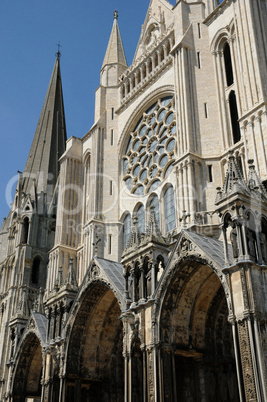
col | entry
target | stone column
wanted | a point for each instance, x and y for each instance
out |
(142, 283)
(153, 277)
(134, 286)
(126, 378)
(249, 339)
(151, 374)
(225, 244)
(145, 384)
(62, 389)
(246, 361)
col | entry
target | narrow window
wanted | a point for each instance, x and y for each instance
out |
(234, 117)
(228, 65)
(206, 110)
(199, 30)
(25, 231)
(112, 137)
(198, 60)
(109, 243)
(36, 270)
(112, 113)
(110, 187)
(127, 227)
(169, 209)
(210, 179)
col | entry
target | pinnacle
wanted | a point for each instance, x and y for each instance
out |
(115, 51)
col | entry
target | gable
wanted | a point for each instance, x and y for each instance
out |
(158, 19)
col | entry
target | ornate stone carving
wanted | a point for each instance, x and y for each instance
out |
(246, 360)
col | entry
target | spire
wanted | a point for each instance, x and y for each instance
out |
(42, 166)
(153, 231)
(115, 52)
(234, 181)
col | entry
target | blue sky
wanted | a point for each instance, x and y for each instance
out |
(29, 32)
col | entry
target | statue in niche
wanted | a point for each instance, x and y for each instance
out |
(251, 243)
(148, 281)
(233, 239)
(160, 270)
(263, 243)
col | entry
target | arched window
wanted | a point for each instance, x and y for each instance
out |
(234, 117)
(36, 270)
(169, 209)
(155, 201)
(25, 231)
(228, 65)
(127, 226)
(141, 219)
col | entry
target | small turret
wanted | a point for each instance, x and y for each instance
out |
(115, 61)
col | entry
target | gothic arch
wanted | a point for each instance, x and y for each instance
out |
(28, 367)
(94, 360)
(193, 329)
(221, 37)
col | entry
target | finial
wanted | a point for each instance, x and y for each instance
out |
(115, 14)
(58, 52)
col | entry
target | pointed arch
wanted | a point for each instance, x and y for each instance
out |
(193, 328)
(28, 369)
(94, 350)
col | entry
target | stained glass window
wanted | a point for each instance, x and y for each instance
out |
(127, 223)
(169, 209)
(150, 143)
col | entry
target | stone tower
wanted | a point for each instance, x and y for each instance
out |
(133, 261)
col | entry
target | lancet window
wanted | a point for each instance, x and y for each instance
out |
(127, 225)
(169, 209)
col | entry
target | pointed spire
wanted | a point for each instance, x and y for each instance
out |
(234, 181)
(135, 237)
(254, 183)
(115, 51)
(49, 140)
(70, 277)
(153, 230)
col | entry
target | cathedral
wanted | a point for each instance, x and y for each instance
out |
(133, 261)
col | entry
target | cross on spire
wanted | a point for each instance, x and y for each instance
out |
(115, 14)
(58, 46)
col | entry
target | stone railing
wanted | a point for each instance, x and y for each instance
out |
(144, 70)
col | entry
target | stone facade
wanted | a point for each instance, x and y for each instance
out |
(133, 261)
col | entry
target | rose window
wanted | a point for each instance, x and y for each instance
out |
(150, 151)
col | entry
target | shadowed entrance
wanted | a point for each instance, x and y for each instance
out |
(95, 361)
(197, 354)
(27, 378)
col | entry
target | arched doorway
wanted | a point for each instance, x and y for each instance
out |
(28, 372)
(95, 364)
(197, 359)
